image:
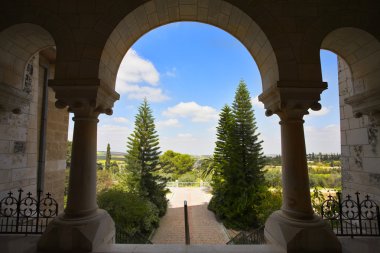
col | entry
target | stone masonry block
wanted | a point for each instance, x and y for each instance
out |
(357, 136)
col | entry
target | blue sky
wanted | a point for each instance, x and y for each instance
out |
(188, 71)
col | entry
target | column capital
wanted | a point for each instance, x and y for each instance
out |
(84, 97)
(292, 100)
(366, 103)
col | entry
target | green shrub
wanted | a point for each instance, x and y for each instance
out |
(271, 201)
(130, 212)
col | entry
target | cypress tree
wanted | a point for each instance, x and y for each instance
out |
(108, 157)
(238, 179)
(142, 159)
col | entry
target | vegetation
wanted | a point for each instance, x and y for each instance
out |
(129, 211)
(238, 180)
(142, 160)
(108, 157)
(174, 165)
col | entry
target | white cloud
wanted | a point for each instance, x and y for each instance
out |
(256, 103)
(322, 139)
(186, 136)
(168, 123)
(135, 91)
(134, 71)
(192, 110)
(195, 144)
(116, 136)
(120, 120)
(322, 112)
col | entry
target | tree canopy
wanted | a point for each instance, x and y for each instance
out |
(142, 159)
(238, 180)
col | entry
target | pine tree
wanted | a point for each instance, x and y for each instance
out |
(238, 179)
(108, 157)
(223, 145)
(142, 159)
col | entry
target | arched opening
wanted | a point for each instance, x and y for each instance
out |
(217, 13)
(131, 92)
(358, 54)
(35, 132)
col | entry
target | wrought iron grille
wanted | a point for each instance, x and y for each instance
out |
(26, 214)
(254, 237)
(352, 217)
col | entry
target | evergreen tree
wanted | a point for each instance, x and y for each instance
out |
(238, 180)
(223, 147)
(142, 159)
(108, 157)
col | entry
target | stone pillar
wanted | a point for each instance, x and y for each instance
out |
(295, 179)
(81, 199)
(295, 227)
(83, 226)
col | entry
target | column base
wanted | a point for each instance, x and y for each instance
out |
(304, 236)
(78, 235)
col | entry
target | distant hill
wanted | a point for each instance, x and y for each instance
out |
(101, 155)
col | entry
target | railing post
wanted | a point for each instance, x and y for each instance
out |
(187, 231)
(340, 212)
(38, 209)
(18, 209)
(359, 212)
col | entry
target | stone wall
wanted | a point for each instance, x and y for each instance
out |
(359, 144)
(19, 141)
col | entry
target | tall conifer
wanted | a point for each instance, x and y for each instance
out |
(142, 159)
(238, 162)
(108, 157)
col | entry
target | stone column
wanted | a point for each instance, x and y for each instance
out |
(295, 227)
(295, 179)
(83, 226)
(81, 199)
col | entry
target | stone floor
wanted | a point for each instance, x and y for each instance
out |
(204, 228)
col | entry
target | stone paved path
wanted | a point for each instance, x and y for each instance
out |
(204, 229)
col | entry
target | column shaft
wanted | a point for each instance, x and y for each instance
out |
(81, 200)
(295, 179)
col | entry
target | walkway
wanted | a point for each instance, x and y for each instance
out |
(204, 228)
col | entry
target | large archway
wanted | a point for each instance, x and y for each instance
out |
(359, 69)
(217, 13)
(34, 129)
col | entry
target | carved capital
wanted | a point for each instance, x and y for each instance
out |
(84, 96)
(366, 103)
(292, 100)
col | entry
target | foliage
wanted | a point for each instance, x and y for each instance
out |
(69, 148)
(131, 212)
(105, 180)
(189, 177)
(175, 164)
(142, 160)
(238, 180)
(317, 199)
(108, 157)
(271, 201)
(273, 177)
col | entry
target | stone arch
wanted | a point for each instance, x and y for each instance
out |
(360, 51)
(218, 13)
(18, 44)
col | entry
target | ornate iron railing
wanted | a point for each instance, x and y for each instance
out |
(254, 237)
(352, 217)
(26, 214)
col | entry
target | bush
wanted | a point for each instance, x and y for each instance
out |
(271, 201)
(130, 212)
